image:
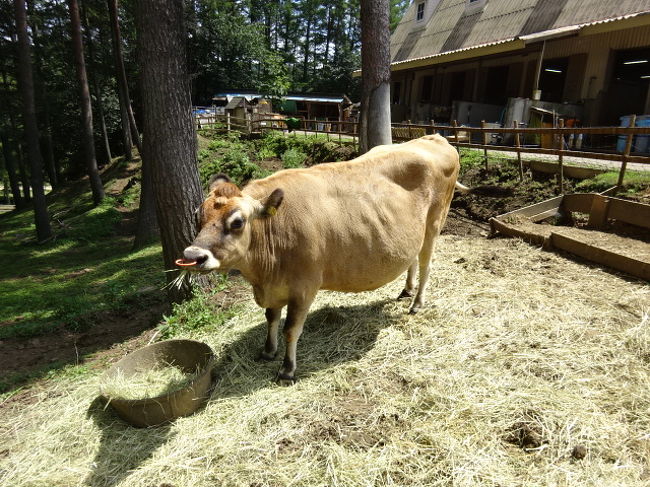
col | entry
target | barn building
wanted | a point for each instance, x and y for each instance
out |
(473, 60)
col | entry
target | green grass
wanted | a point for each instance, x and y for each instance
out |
(85, 269)
(633, 182)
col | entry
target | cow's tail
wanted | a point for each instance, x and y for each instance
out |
(462, 188)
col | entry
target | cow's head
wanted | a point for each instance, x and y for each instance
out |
(224, 222)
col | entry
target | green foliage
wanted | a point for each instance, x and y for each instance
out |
(198, 313)
(293, 158)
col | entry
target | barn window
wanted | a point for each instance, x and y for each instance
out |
(420, 14)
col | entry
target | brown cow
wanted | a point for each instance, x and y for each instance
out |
(347, 226)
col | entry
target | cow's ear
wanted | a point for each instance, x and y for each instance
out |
(272, 203)
(216, 180)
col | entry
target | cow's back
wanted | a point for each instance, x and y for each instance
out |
(359, 224)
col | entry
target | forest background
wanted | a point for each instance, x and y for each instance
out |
(273, 47)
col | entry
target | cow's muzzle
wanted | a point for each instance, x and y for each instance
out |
(196, 258)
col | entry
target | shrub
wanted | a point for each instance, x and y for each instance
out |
(293, 158)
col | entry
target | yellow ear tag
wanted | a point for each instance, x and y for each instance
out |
(271, 211)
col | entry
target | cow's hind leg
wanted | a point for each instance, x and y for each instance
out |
(293, 325)
(273, 323)
(409, 288)
(424, 262)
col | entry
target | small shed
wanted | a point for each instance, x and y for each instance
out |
(237, 107)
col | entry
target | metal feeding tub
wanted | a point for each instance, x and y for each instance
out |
(190, 356)
(614, 232)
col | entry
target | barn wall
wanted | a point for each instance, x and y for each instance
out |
(587, 75)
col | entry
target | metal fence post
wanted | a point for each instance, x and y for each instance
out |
(454, 124)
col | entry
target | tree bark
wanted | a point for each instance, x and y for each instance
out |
(375, 74)
(122, 86)
(86, 106)
(170, 139)
(46, 135)
(95, 84)
(22, 168)
(10, 164)
(26, 88)
(147, 230)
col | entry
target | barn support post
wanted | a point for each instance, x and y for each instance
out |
(626, 154)
(433, 131)
(515, 125)
(560, 158)
(409, 129)
(228, 122)
(485, 142)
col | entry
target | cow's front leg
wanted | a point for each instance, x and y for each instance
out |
(273, 323)
(296, 314)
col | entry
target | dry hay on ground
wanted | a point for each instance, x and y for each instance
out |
(527, 369)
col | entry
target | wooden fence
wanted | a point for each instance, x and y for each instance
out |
(461, 136)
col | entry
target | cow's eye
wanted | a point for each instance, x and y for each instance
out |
(236, 224)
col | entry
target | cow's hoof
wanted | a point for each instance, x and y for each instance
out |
(414, 310)
(405, 295)
(267, 357)
(284, 379)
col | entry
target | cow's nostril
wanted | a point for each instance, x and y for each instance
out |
(201, 259)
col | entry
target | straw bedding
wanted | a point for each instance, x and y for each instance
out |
(526, 369)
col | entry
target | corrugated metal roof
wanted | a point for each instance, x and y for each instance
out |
(454, 28)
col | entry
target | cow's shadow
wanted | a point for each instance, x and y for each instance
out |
(332, 336)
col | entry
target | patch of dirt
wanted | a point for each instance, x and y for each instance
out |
(500, 191)
(114, 334)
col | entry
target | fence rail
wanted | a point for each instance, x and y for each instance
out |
(459, 136)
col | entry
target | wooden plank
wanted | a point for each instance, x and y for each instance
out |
(518, 146)
(598, 211)
(626, 154)
(634, 267)
(630, 212)
(545, 214)
(578, 202)
(512, 230)
(536, 209)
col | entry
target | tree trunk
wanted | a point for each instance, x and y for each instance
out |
(46, 135)
(22, 168)
(147, 230)
(375, 74)
(10, 164)
(305, 61)
(86, 107)
(122, 86)
(26, 88)
(95, 84)
(170, 139)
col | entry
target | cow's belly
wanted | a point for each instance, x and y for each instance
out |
(368, 264)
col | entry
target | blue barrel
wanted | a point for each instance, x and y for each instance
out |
(620, 144)
(642, 142)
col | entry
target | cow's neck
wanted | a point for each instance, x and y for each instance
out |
(259, 263)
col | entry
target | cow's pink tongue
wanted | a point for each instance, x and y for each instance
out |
(185, 263)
